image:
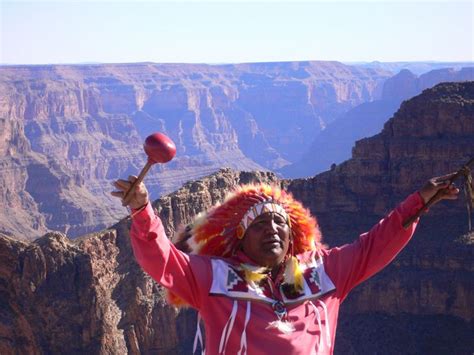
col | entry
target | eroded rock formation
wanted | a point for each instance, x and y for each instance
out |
(334, 144)
(89, 296)
(68, 131)
(427, 289)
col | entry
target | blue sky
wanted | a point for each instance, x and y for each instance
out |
(232, 32)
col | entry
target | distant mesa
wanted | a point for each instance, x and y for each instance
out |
(67, 131)
(335, 143)
(424, 295)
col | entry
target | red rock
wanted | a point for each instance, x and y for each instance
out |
(89, 296)
(69, 130)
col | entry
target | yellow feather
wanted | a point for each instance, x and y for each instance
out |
(294, 273)
(298, 274)
(253, 275)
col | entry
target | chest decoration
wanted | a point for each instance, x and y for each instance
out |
(228, 280)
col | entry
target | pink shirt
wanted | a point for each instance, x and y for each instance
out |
(190, 277)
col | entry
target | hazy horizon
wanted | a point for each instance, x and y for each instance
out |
(237, 63)
(227, 32)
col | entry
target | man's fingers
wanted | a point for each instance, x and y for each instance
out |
(135, 198)
(451, 196)
(141, 188)
(443, 180)
(439, 188)
(122, 184)
(450, 193)
(125, 185)
(119, 194)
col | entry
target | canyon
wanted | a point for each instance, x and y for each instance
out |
(334, 144)
(88, 295)
(68, 131)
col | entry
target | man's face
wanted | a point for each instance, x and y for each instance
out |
(267, 239)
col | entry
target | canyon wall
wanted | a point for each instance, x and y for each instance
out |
(67, 131)
(334, 144)
(89, 295)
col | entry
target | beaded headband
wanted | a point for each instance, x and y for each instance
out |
(257, 210)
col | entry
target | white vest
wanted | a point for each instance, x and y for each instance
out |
(226, 281)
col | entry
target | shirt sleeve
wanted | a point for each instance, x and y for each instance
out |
(186, 276)
(349, 265)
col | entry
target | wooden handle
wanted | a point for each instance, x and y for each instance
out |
(407, 223)
(128, 195)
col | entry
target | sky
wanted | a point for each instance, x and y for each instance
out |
(190, 31)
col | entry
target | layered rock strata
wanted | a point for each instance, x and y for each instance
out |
(334, 144)
(68, 131)
(88, 295)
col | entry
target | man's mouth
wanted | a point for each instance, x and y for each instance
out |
(272, 241)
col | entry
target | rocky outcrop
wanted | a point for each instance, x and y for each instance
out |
(418, 68)
(68, 131)
(405, 84)
(89, 295)
(430, 135)
(334, 144)
(422, 300)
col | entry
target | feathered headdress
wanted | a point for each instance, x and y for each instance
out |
(218, 231)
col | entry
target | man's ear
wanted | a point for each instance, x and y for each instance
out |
(291, 248)
(239, 246)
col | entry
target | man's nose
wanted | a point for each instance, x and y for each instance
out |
(271, 226)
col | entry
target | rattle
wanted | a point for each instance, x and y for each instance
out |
(160, 149)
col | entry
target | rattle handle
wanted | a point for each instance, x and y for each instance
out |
(407, 223)
(128, 195)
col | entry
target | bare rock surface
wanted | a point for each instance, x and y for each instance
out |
(67, 131)
(418, 68)
(431, 134)
(89, 296)
(333, 145)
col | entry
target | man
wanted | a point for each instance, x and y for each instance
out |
(256, 271)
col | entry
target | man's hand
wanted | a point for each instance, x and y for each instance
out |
(440, 183)
(139, 197)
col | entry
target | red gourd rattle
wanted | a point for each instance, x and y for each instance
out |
(160, 149)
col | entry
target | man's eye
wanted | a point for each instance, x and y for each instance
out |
(280, 221)
(278, 218)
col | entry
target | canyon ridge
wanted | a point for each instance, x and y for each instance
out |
(87, 295)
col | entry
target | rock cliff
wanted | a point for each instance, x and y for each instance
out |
(89, 296)
(68, 131)
(427, 289)
(418, 68)
(405, 84)
(333, 145)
